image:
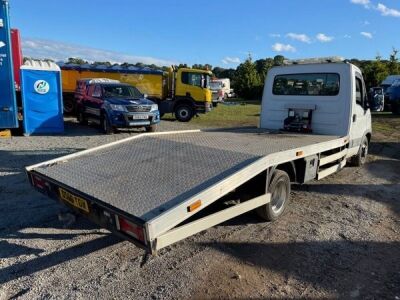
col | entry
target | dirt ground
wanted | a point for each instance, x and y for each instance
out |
(339, 239)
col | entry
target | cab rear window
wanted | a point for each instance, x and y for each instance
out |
(308, 84)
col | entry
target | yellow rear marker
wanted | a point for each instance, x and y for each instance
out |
(194, 206)
(299, 153)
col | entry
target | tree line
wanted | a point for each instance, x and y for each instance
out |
(248, 78)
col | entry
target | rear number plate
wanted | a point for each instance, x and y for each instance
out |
(140, 117)
(76, 201)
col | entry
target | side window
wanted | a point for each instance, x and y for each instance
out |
(97, 91)
(359, 91)
(195, 79)
(89, 90)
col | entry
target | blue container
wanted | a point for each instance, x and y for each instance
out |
(8, 105)
(41, 92)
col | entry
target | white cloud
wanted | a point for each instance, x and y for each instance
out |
(275, 35)
(365, 3)
(60, 51)
(278, 47)
(383, 9)
(301, 37)
(368, 35)
(347, 36)
(231, 60)
(323, 38)
(386, 11)
(366, 23)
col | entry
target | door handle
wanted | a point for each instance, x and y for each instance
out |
(5, 108)
(354, 117)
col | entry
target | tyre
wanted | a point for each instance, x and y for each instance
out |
(106, 126)
(69, 105)
(151, 128)
(81, 118)
(361, 157)
(279, 188)
(184, 113)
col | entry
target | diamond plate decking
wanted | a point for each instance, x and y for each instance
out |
(145, 176)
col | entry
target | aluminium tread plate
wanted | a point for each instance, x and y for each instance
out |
(146, 176)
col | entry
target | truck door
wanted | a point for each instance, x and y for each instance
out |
(359, 117)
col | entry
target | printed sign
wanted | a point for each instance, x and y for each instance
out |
(41, 87)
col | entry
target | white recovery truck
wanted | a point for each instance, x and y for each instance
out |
(150, 188)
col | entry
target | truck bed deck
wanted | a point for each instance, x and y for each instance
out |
(147, 175)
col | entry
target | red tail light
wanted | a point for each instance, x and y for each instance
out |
(131, 229)
(39, 182)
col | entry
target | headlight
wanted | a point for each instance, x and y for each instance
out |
(118, 107)
(154, 107)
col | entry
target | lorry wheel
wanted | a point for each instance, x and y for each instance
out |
(106, 126)
(184, 113)
(69, 105)
(280, 197)
(361, 156)
(151, 128)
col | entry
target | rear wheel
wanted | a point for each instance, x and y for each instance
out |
(184, 113)
(81, 118)
(279, 188)
(361, 157)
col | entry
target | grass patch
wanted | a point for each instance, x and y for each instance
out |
(223, 115)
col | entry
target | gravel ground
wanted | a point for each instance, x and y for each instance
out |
(340, 238)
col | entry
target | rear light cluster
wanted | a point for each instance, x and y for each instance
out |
(40, 183)
(130, 229)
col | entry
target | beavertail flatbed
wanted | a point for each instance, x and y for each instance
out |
(151, 180)
(149, 188)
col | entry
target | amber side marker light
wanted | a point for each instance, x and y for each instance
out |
(299, 153)
(194, 206)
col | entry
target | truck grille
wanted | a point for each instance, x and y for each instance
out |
(138, 108)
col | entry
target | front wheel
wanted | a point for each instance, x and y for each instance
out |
(184, 113)
(279, 188)
(361, 157)
(151, 128)
(106, 126)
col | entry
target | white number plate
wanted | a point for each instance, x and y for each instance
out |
(140, 117)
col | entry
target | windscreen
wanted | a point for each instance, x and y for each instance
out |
(308, 84)
(122, 91)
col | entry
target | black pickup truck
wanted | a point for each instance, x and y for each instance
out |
(114, 105)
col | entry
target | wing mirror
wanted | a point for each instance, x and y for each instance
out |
(145, 96)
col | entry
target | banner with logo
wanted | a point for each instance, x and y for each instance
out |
(8, 105)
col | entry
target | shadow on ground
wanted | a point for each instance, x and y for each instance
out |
(370, 268)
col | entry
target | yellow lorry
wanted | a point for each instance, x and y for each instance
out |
(182, 91)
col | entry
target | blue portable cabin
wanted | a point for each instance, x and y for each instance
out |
(41, 92)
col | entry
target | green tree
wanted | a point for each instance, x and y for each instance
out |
(76, 60)
(263, 66)
(247, 80)
(393, 62)
(278, 60)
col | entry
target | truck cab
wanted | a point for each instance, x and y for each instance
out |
(326, 97)
(188, 93)
(114, 105)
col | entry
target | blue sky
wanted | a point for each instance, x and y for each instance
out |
(221, 33)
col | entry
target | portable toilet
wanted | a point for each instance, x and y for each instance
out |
(41, 93)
